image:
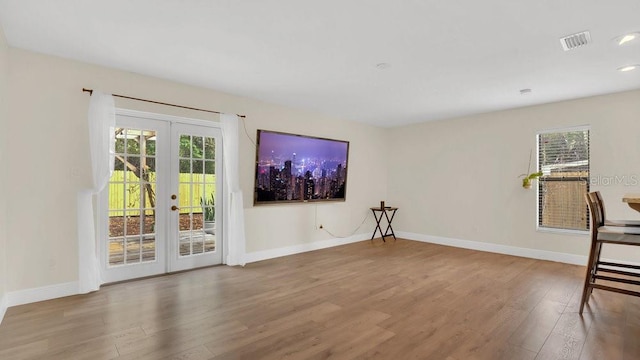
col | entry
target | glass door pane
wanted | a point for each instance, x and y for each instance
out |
(197, 193)
(198, 185)
(134, 242)
(132, 192)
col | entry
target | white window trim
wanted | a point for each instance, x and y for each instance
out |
(563, 129)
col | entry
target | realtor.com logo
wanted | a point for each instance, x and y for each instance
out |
(624, 180)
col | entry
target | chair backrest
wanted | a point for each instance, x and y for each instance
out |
(600, 203)
(595, 210)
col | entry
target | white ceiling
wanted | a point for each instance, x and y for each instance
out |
(448, 58)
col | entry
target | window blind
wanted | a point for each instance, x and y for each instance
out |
(563, 158)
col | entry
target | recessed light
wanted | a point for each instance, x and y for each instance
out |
(383, 66)
(624, 39)
(525, 91)
(628, 68)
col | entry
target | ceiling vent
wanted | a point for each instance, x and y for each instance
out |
(575, 41)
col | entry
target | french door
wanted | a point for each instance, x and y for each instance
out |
(159, 211)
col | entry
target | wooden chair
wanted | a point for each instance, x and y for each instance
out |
(616, 272)
(598, 198)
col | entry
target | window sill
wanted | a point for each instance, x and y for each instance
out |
(563, 231)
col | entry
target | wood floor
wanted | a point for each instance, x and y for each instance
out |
(368, 300)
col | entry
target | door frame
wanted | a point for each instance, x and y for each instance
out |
(102, 201)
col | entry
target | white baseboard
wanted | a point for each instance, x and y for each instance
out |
(497, 248)
(3, 307)
(297, 249)
(49, 292)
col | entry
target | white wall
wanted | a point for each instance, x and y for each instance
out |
(48, 126)
(3, 171)
(458, 178)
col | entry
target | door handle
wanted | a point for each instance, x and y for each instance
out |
(174, 208)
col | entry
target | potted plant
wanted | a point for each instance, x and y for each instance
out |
(526, 181)
(209, 214)
(528, 177)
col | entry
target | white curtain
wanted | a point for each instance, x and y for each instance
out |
(102, 119)
(234, 204)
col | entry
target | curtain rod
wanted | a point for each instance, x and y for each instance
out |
(90, 91)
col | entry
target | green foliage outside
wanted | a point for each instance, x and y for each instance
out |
(209, 207)
(202, 150)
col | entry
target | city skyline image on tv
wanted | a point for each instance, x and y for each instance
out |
(299, 168)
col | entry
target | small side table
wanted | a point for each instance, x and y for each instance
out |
(384, 212)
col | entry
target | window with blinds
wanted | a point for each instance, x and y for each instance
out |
(563, 159)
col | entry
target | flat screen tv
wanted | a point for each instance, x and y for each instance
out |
(297, 168)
